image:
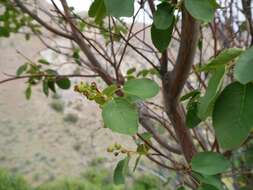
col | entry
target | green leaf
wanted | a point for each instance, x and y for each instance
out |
(192, 119)
(99, 100)
(201, 9)
(164, 16)
(222, 59)
(51, 72)
(146, 136)
(121, 171)
(232, 115)
(206, 102)
(137, 161)
(191, 94)
(28, 92)
(213, 180)
(207, 187)
(120, 116)
(200, 44)
(161, 38)
(98, 11)
(63, 83)
(51, 85)
(122, 8)
(248, 157)
(45, 87)
(132, 99)
(143, 73)
(131, 71)
(244, 67)
(142, 149)
(209, 163)
(110, 90)
(143, 88)
(76, 56)
(4, 31)
(181, 188)
(43, 61)
(21, 69)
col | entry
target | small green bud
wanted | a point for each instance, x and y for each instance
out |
(117, 146)
(110, 149)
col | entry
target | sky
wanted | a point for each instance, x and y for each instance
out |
(79, 5)
(83, 5)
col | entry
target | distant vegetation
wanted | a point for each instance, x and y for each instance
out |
(12, 182)
(92, 179)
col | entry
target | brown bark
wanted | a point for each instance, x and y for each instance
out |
(173, 83)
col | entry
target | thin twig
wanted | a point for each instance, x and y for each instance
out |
(44, 75)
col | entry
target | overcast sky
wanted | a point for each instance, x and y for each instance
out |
(83, 5)
(79, 5)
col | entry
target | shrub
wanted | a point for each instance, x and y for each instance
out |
(57, 105)
(147, 182)
(71, 118)
(64, 185)
(12, 182)
(93, 179)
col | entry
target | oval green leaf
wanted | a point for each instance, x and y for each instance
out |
(209, 163)
(51, 85)
(181, 188)
(110, 90)
(122, 8)
(143, 88)
(213, 180)
(164, 16)
(28, 92)
(201, 9)
(97, 10)
(192, 119)
(63, 83)
(222, 59)
(207, 187)
(120, 116)
(43, 61)
(232, 115)
(206, 103)
(191, 94)
(161, 38)
(21, 69)
(45, 87)
(121, 171)
(244, 67)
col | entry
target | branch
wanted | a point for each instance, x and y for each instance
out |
(140, 53)
(164, 165)
(79, 39)
(151, 6)
(173, 83)
(43, 75)
(43, 23)
(185, 58)
(153, 147)
(147, 123)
